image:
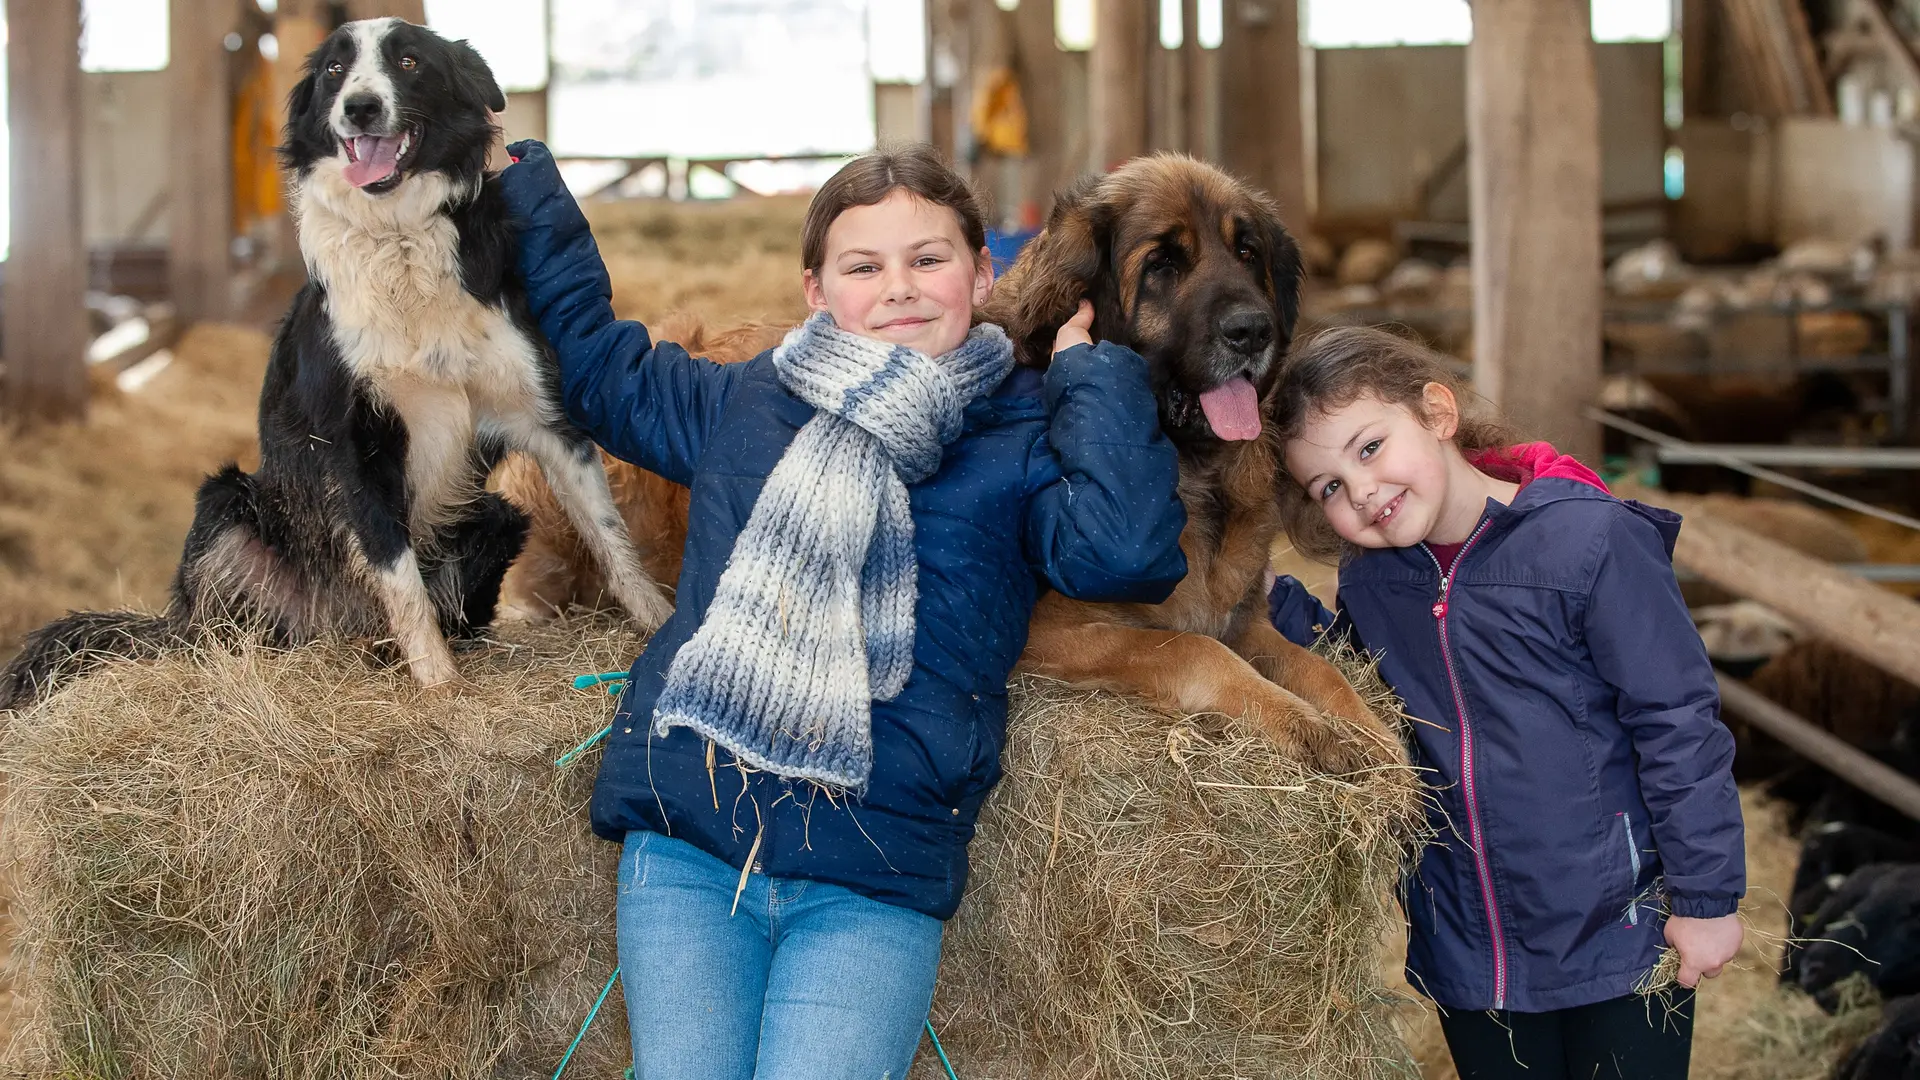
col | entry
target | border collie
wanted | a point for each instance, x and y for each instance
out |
(407, 367)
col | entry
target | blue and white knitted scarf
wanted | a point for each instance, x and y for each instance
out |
(813, 618)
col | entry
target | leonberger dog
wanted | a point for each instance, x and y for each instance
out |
(1193, 270)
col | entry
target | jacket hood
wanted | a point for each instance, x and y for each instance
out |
(1546, 475)
(1527, 462)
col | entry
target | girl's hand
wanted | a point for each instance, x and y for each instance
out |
(1705, 945)
(1077, 330)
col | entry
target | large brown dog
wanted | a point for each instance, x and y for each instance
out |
(1194, 271)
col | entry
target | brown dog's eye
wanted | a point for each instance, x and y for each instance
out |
(1159, 262)
(1248, 253)
(408, 63)
(336, 69)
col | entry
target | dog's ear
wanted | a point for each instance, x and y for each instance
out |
(472, 76)
(1054, 271)
(300, 98)
(1283, 266)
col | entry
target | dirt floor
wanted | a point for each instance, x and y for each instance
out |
(92, 515)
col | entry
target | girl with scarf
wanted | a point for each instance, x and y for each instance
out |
(797, 762)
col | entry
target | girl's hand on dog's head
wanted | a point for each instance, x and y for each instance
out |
(1077, 330)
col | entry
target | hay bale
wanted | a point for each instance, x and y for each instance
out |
(283, 863)
(1156, 898)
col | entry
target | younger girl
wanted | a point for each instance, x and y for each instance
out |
(1566, 714)
(795, 768)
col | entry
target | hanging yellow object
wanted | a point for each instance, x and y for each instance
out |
(1000, 116)
(256, 173)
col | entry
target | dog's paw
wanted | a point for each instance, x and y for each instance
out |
(649, 608)
(1339, 745)
(525, 614)
(436, 672)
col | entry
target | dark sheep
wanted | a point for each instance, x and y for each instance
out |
(1893, 1051)
(1831, 852)
(1870, 924)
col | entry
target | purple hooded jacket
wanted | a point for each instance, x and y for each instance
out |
(1568, 723)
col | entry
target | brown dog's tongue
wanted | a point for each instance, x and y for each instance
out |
(1233, 408)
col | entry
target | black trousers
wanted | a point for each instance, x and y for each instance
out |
(1627, 1038)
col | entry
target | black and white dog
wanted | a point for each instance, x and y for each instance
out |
(406, 368)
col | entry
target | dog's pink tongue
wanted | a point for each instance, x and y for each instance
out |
(374, 159)
(1233, 408)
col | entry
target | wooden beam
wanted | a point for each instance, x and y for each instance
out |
(200, 161)
(46, 271)
(1823, 748)
(1878, 626)
(1261, 132)
(1037, 54)
(1533, 128)
(1117, 91)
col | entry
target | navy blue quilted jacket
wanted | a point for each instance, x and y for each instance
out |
(1570, 722)
(1063, 481)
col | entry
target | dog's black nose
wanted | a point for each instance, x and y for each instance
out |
(1247, 332)
(363, 110)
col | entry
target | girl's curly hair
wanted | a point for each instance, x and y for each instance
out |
(1334, 369)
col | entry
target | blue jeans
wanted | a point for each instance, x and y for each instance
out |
(807, 981)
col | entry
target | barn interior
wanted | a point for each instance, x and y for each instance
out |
(1677, 238)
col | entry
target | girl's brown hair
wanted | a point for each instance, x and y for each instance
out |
(1338, 367)
(868, 179)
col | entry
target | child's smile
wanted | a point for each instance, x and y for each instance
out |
(1385, 478)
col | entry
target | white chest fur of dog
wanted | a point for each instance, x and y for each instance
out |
(450, 365)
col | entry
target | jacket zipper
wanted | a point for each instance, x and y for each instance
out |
(1466, 767)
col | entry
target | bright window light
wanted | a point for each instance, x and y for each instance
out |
(1172, 34)
(1209, 24)
(1073, 24)
(1335, 24)
(703, 79)
(123, 35)
(897, 40)
(1632, 20)
(510, 34)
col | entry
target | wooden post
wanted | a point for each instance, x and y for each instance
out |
(200, 162)
(1040, 87)
(1533, 125)
(943, 72)
(1195, 121)
(1117, 98)
(46, 271)
(1697, 56)
(1260, 133)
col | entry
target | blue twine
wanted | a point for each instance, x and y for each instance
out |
(588, 1022)
(591, 741)
(942, 1051)
(612, 679)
